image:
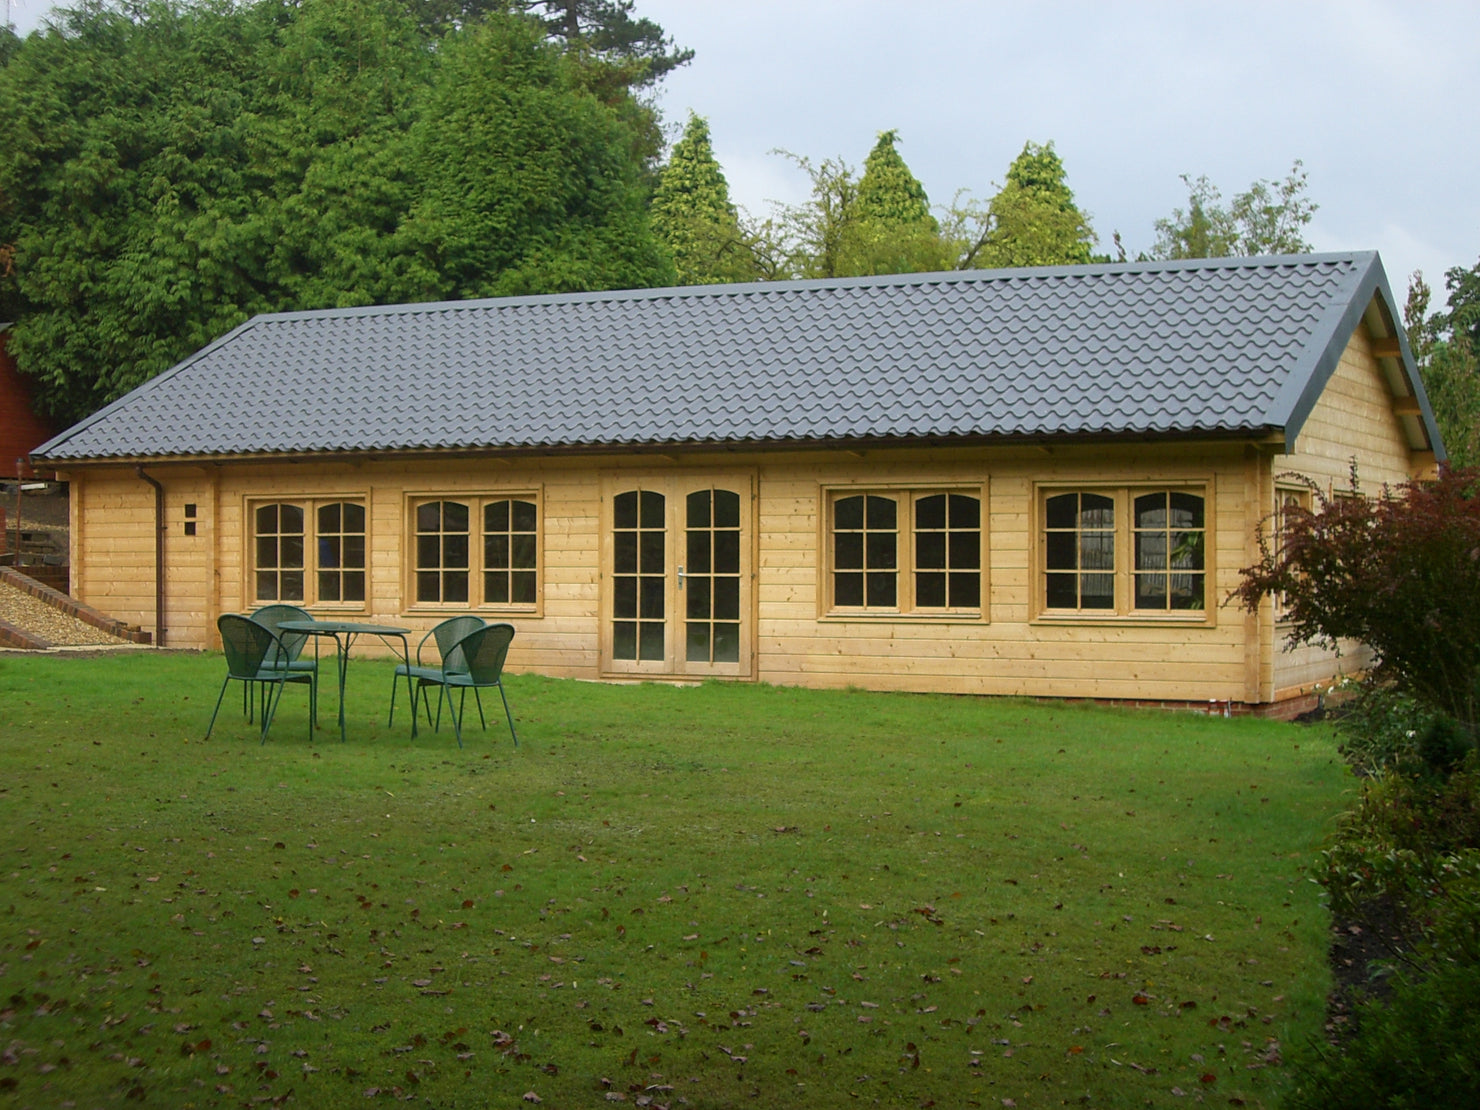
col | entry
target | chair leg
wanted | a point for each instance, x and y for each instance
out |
(390, 720)
(482, 720)
(219, 699)
(453, 713)
(269, 710)
(508, 713)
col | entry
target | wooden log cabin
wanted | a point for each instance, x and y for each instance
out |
(1023, 482)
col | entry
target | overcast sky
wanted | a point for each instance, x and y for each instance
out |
(1377, 97)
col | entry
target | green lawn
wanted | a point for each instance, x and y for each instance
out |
(707, 897)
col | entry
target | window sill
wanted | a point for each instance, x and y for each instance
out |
(1191, 618)
(447, 608)
(851, 616)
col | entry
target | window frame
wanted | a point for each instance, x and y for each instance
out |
(477, 500)
(1304, 499)
(907, 496)
(1123, 494)
(310, 504)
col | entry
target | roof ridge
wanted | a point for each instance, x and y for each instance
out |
(924, 278)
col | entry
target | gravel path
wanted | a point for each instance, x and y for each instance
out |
(33, 615)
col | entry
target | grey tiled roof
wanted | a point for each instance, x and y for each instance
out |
(1156, 348)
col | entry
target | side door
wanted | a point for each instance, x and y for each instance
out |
(678, 580)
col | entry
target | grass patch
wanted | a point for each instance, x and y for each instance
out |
(708, 897)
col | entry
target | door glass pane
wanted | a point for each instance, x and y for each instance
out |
(698, 553)
(726, 642)
(697, 642)
(639, 575)
(650, 641)
(727, 599)
(726, 552)
(698, 509)
(624, 640)
(712, 575)
(698, 604)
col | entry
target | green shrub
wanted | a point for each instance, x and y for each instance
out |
(1379, 728)
(1421, 1049)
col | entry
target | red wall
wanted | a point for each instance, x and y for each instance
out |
(21, 430)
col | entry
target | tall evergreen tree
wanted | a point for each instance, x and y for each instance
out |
(692, 213)
(891, 230)
(1033, 220)
(1446, 357)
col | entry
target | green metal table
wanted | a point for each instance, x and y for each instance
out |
(345, 633)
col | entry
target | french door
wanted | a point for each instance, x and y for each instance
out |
(678, 577)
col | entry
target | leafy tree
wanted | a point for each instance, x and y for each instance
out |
(1398, 573)
(891, 229)
(1445, 355)
(692, 213)
(810, 238)
(525, 181)
(1032, 221)
(1463, 287)
(173, 168)
(1269, 218)
(607, 29)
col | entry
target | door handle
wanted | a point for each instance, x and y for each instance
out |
(680, 576)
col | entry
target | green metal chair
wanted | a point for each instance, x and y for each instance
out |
(291, 647)
(249, 646)
(483, 652)
(445, 635)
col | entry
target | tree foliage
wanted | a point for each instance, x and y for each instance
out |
(692, 213)
(1032, 221)
(1270, 217)
(891, 229)
(1400, 573)
(1445, 354)
(173, 168)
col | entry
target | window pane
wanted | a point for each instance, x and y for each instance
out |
(496, 516)
(880, 550)
(329, 518)
(292, 586)
(523, 587)
(624, 596)
(1151, 510)
(882, 512)
(848, 551)
(1099, 591)
(698, 544)
(292, 550)
(965, 550)
(524, 516)
(354, 586)
(624, 511)
(1062, 591)
(1097, 551)
(354, 550)
(1151, 591)
(966, 591)
(429, 517)
(454, 516)
(496, 586)
(652, 509)
(651, 561)
(650, 600)
(266, 586)
(727, 553)
(848, 589)
(881, 587)
(848, 513)
(1187, 550)
(698, 642)
(427, 586)
(354, 517)
(329, 586)
(966, 512)
(1186, 510)
(1151, 551)
(698, 509)
(1187, 591)
(428, 551)
(727, 643)
(650, 645)
(1061, 551)
(496, 551)
(930, 512)
(697, 606)
(624, 640)
(1062, 511)
(455, 550)
(267, 518)
(1096, 511)
(523, 553)
(291, 518)
(727, 599)
(930, 590)
(930, 550)
(624, 552)
(455, 586)
(266, 552)
(726, 509)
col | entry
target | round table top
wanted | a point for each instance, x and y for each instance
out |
(330, 628)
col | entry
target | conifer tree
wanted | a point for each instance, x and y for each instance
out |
(1033, 220)
(692, 213)
(891, 230)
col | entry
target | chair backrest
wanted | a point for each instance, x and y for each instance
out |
(271, 616)
(483, 652)
(448, 634)
(246, 643)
